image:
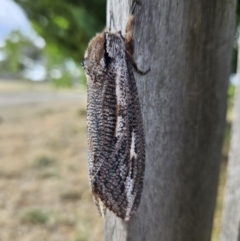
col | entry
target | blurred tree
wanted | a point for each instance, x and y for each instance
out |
(21, 59)
(66, 24)
(18, 53)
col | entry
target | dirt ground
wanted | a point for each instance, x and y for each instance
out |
(44, 190)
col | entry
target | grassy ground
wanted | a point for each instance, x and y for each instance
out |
(44, 190)
(219, 204)
(222, 178)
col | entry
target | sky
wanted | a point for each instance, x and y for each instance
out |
(12, 17)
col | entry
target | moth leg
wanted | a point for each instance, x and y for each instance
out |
(135, 65)
(129, 35)
(129, 39)
(134, 3)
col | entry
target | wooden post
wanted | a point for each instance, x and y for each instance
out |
(187, 44)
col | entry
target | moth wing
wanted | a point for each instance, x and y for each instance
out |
(115, 135)
(118, 171)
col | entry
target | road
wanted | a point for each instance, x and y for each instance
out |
(22, 98)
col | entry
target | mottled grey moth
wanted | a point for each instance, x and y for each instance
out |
(116, 147)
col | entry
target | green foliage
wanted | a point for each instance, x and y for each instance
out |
(66, 24)
(18, 51)
(20, 58)
(238, 13)
(63, 82)
(235, 50)
(231, 93)
(63, 72)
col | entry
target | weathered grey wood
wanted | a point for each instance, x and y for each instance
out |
(187, 44)
(230, 230)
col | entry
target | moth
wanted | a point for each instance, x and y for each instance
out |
(116, 146)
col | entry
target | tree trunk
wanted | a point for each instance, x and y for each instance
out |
(187, 44)
(231, 214)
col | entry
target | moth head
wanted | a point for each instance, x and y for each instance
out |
(115, 45)
(96, 57)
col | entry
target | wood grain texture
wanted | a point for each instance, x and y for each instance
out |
(188, 46)
(231, 212)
